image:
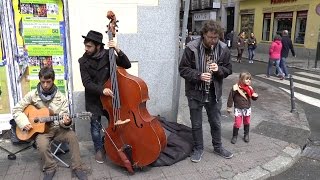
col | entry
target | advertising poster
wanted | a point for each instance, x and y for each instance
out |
(40, 40)
(4, 93)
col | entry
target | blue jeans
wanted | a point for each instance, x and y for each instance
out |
(251, 53)
(96, 132)
(283, 65)
(213, 111)
(277, 63)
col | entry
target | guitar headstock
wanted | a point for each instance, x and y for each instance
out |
(112, 24)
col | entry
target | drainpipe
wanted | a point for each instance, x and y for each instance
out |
(69, 58)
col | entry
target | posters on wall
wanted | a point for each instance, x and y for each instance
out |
(4, 93)
(40, 38)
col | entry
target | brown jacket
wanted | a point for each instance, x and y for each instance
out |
(239, 98)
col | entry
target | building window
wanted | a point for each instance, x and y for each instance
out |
(266, 26)
(301, 27)
(282, 21)
(247, 22)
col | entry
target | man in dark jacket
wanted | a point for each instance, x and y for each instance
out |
(286, 46)
(204, 65)
(95, 71)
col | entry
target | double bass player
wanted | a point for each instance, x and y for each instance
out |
(95, 71)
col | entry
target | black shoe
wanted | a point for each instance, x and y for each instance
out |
(234, 139)
(80, 174)
(48, 175)
(196, 155)
(223, 152)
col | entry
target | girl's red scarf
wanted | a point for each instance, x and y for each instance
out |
(247, 89)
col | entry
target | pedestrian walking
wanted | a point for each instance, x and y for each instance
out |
(240, 96)
(204, 65)
(240, 45)
(275, 55)
(286, 46)
(252, 45)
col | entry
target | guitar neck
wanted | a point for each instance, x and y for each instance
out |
(54, 118)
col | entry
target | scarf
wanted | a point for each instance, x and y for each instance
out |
(248, 89)
(47, 96)
(204, 58)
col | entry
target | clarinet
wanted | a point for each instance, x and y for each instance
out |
(207, 84)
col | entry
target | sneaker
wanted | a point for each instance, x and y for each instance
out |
(196, 156)
(80, 174)
(48, 175)
(223, 152)
(100, 157)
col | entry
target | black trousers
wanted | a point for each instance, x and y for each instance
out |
(213, 112)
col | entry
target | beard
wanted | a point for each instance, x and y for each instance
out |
(90, 54)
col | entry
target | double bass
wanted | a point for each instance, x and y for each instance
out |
(133, 138)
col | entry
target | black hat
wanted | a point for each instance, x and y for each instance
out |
(94, 36)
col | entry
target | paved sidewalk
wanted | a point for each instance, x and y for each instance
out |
(296, 62)
(276, 139)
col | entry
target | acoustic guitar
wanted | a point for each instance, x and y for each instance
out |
(38, 119)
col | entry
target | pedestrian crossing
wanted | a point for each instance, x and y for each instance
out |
(306, 86)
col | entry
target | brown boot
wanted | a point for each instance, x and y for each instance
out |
(235, 135)
(246, 133)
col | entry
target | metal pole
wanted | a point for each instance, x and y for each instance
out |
(293, 106)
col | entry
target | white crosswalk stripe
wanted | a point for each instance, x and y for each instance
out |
(303, 83)
(297, 85)
(309, 74)
(304, 98)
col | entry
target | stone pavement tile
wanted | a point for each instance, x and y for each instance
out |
(149, 173)
(32, 175)
(255, 173)
(13, 169)
(3, 169)
(188, 176)
(186, 166)
(33, 166)
(278, 165)
(292, 150)
(171, 171)
(16, 176)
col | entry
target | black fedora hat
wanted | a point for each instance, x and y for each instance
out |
(94, 36)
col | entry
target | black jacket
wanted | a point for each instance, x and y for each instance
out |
(188, 70)
(94, 73)
(286, 46)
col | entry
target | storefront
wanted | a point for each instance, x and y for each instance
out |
(201, 11)
(267, 18)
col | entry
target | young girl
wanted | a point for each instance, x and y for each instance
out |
(241, 95)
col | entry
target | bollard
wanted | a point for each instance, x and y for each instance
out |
(293, 106)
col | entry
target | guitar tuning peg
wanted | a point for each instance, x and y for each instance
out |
(107, 25)
(116, 30)
(117, 21)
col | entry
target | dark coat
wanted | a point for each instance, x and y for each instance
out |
(94, 73)
(286, 46)
(189, 71)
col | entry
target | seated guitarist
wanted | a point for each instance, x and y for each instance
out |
(48, 96)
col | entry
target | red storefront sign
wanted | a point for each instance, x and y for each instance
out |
(281, 1)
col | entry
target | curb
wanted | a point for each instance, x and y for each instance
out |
(274, 167)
